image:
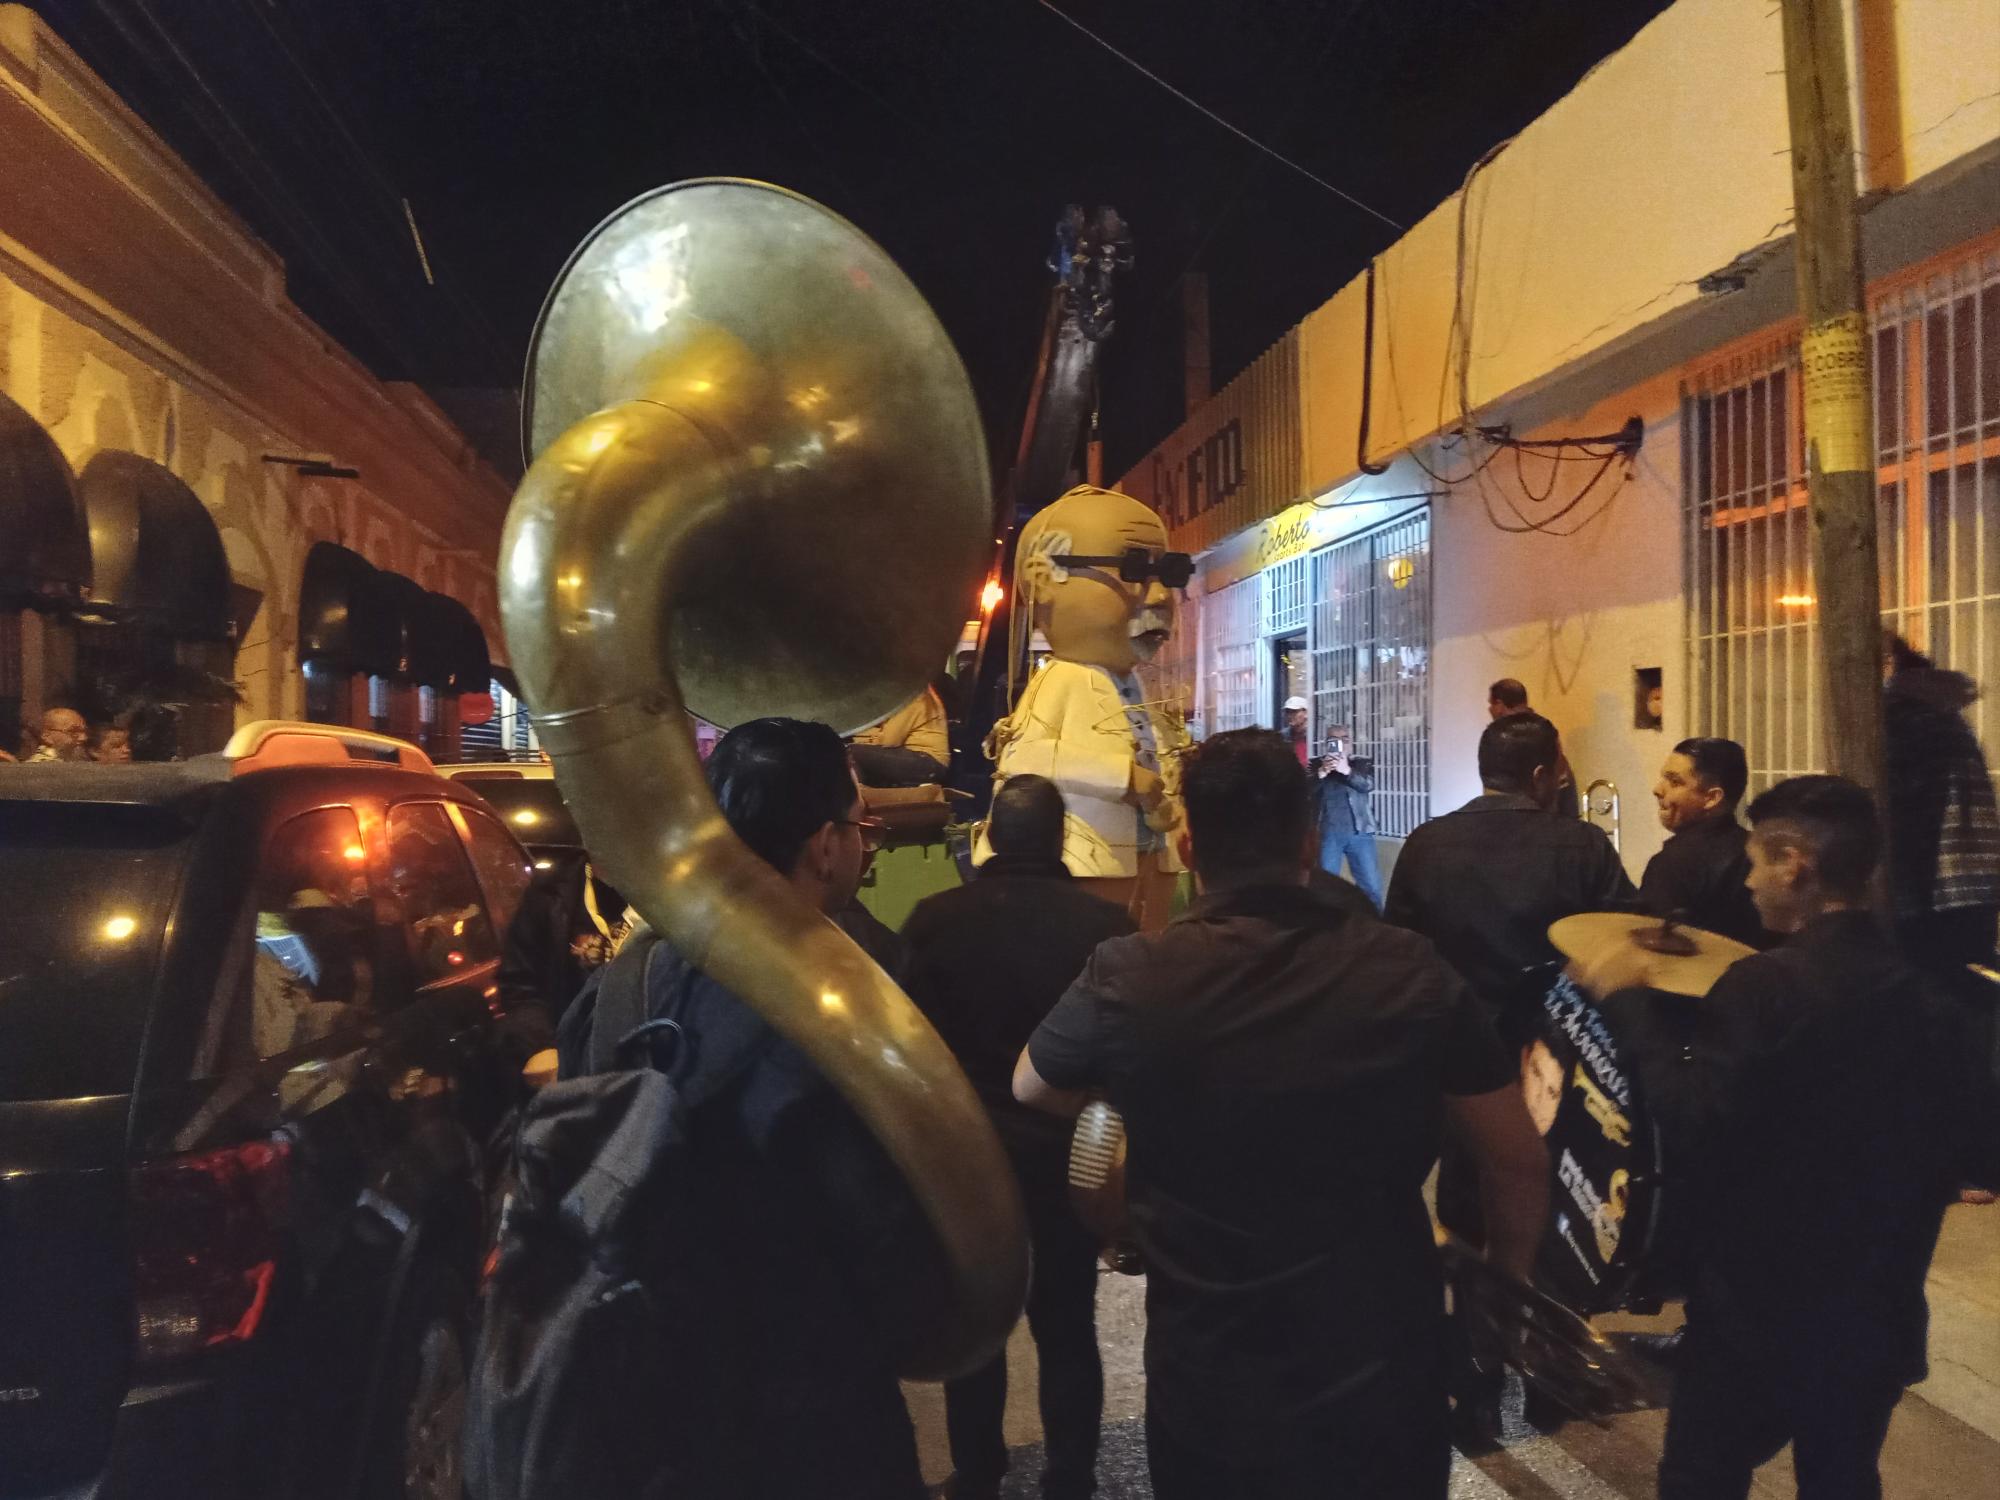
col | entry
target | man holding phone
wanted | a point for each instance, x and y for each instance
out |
(1346, 825)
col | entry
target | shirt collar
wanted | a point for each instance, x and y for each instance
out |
(1709, 828)
(1502, 802)
(1256, 900)
(1854, 922)
(1023, 866)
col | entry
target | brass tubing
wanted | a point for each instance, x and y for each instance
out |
(600, 540)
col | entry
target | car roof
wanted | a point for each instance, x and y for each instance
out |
(500, 770)
(138, 784)
(192, 782)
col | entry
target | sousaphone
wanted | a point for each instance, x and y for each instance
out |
(759, 486)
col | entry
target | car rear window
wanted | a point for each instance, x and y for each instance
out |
(532, 810)
(85, 890)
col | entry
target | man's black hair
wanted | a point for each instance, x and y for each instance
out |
(1249, 804)
(1719, 763)
(1511, 747)
(778, 782)
(1027, 818)
(1833, 820)
(1508, 693)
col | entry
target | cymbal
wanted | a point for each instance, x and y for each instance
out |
(1634, 949)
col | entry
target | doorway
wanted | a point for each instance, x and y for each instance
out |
(1291, 676)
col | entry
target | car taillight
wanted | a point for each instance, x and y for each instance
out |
(205, 1235)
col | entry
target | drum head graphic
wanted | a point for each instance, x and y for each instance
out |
(1585, 1101)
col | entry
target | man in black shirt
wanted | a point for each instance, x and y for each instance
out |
(1285, 1070)
(1485, 882)
(827, 1264)
(987, 961)
(1508, 696)
(1823, 1180)
(1697, 878)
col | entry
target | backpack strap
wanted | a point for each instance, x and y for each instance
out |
(625, 1033)
(621, 1007)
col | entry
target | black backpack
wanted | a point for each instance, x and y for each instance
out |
(604, 1364)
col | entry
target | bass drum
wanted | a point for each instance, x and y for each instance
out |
(1609, 1193)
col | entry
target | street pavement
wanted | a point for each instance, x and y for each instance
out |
(1943, 1445)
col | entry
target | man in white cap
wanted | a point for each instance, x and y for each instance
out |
(1298, 729)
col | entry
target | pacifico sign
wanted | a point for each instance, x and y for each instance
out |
(1212, 471)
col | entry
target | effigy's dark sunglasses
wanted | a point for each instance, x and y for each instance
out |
(1136, 565)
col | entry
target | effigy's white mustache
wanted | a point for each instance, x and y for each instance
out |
(1149, 620)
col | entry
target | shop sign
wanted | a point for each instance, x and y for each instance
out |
(1234, 461)
(1297, 529)
(1291, 532)
(1213, 470)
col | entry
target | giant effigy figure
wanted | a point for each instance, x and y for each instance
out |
(1093, 574)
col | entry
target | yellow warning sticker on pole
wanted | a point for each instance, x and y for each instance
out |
(1835, 355)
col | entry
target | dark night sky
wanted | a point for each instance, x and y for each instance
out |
(952, 130)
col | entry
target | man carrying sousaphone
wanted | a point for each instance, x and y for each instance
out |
(1818, 1182)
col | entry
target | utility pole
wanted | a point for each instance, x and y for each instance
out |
(1838, 393)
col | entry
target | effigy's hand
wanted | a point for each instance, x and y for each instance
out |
(1147, 788)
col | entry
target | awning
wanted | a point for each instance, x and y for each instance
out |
(356, 617)
(419, 657)
(44, 541)
(156, 557)
(462, 650)
(347, 618)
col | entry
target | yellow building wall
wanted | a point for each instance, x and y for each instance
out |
(1571, 617)
(1667, 163)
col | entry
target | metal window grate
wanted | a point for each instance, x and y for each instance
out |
(1753, 640)
(1170, 677)
(1285, 597)
(1371, 640)
(1229, 628)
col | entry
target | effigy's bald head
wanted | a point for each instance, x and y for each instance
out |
(1087, 610)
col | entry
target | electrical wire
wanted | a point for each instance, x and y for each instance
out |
(1196, 104)
(1603, 450)
(496, 346)
(1307, 94)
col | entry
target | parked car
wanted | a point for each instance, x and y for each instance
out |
(525, 794)
(247, 1083)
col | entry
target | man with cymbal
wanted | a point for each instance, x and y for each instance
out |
(1697, 878)
(1823, 1176)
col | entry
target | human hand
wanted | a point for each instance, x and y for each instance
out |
(540, 1070)
(1146, 789)
(1619, 966)
(1977, 1195)
(1338, 763)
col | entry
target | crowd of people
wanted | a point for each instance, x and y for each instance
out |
(1290, 1065)
(64, 734)
(1291, 1056)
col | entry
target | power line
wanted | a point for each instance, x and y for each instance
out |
(1243, 179)
(1196, 104)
